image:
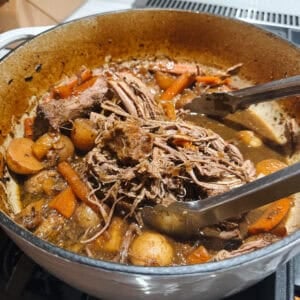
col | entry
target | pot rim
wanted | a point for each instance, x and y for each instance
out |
(211, 267)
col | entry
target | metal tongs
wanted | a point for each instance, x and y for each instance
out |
(221, 104)
(185, 219)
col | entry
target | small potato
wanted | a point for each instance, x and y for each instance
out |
(64, 148)
(20, 159)
(83, 134)
(249, 138)
(61, 145)
(151, 249)
(111, 241)
(86, 217)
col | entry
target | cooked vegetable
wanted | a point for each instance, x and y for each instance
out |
(198, 256)
(86, 217)
(83, 134)
(79, 188)
(164, 80)
(64, 203)
(275, 211)
(111, 241)
(210, 80)
(182, 82)
(19, 157)
(249, 138)
(28, 130)
(66, 89)
(151, 249)
(273, 215)
(269, 166)
(60, 144)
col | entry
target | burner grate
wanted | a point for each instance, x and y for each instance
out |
(250, 15)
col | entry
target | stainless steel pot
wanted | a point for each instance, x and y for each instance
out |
(37, 64)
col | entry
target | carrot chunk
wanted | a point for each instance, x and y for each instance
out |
(273, 215)
(164, 80)
(179, 84)
(209, 80)
(268, 166)
(28, 127)
(64, 203)
(198, 256)
(80, 189)
(80, 88)
(275, 211)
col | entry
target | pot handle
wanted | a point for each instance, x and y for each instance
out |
(20, 34)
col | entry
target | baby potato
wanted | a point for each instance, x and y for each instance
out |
(64, 148)
(60, 144)
(83, 134)
(151, 249)
(249, 138)
(86, 217)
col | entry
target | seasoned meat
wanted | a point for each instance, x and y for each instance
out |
(56, 112)
(129, 142)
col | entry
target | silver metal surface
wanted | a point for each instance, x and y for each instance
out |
(221, 104)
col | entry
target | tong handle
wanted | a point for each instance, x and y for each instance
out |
(266, 92)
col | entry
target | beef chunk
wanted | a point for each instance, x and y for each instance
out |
(57, 112)
(129, 142)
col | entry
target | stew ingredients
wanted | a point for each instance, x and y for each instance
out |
(101, 144)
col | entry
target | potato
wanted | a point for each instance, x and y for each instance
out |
(111, 241)
(151, 249)
(64, 148)
(20, 159)
(60, 144)
(86, 217)
(83, 134)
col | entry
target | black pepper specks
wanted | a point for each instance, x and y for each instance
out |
(38, 68)
(28, 79)
(10, 81)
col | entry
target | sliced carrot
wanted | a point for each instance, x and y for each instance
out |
(276, 211)
(181, 142)
(65, 90)
(64, 203)
(198, 256)
(180, 83)
(268, 166)
(164, 80)
(28, 127)
(80, 88)
(209, 80)
(80, 189)
(84, 75)
(272, 216)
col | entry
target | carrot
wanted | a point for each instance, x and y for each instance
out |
(80, 189)
(273, 215)
(20, 158)
(268, 166)
(28, 127)
(198, 256)
(65, 90)
(164, 80)
(209, 80)
(179, 84)
(64, 203)
(276, 211)
(80, 88)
